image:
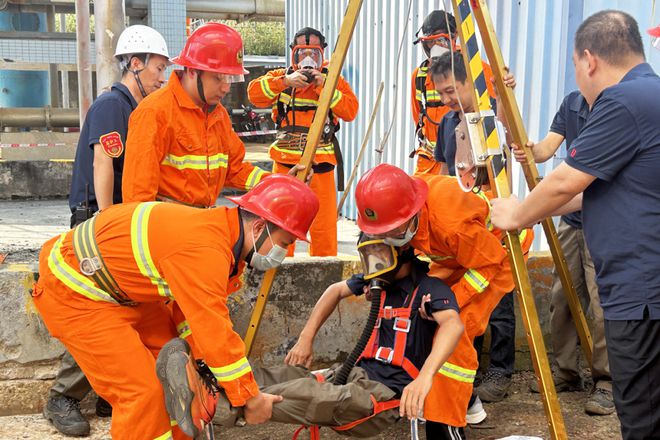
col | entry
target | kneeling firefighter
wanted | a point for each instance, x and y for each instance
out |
(397, 355)
(293, 94)
(104, 286)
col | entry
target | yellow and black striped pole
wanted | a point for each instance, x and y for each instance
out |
(499, 184)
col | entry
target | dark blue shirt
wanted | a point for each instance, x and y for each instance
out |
(106, 123)
(445, 147)
(422, 331)
(620, 146)
(568, 122)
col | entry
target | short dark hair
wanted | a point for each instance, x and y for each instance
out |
(611, 35)
(442, 66)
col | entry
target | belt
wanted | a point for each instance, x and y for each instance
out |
(91, 262)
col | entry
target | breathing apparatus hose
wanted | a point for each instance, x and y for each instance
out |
(376, 289)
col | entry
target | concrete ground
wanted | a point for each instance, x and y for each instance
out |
(519, 414)
(26, 224)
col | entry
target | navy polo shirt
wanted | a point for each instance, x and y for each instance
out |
(420, 337)
(106, 123)
(445, 147)
(620, 146)
(568, 122)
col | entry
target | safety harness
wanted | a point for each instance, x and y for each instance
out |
(425, 99)
(294, 137)
(91, 262)
(400, 320)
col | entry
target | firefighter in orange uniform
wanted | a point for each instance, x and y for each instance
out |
(438, 37)
(181, 146)
(293, 94)
(104, 285)
(453, 229)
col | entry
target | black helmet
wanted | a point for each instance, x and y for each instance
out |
(436, 22)
(308, 32)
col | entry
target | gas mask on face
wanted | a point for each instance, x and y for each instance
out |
(274, 257)
(381, 261)
(306, 57)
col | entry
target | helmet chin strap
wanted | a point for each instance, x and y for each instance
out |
(136, 75)
(200, 87)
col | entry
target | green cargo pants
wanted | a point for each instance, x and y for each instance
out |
(310, 402)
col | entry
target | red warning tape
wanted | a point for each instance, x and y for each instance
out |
(256, 133)
(52, 144)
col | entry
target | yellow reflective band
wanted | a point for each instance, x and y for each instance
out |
(254, 177)
(196, 162)
(183, 329)
(523, 235)
(166, 436)
(328, 149)
(299, 102)
(232, 371)
(484, 197)
(173, 423)
(441, 257)
(336, 97)
(140, 245)
(457, 373)
(72, 278)
(476, 280)
(266, 89)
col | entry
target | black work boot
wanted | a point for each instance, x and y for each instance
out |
(103, 408)
(64, 413)
(494, 387)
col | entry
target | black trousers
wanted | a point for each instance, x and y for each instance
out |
(440, 431)
(634, 352)
(502, 337)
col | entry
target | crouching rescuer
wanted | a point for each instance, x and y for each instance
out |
(412, 329)
(104, 286)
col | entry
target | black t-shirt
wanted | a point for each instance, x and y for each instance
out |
(106, 123)
(422, 331)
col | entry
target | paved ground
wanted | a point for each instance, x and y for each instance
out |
(519, 414)
(26, 224)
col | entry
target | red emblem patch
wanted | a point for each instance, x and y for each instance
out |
(112, 145)
(573, 152)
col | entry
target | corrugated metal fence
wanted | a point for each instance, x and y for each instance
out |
(536, 37)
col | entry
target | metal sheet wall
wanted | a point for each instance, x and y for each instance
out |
(536, 37)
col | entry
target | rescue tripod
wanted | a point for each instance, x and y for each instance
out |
(481, 142)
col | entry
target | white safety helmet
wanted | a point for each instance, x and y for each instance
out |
(141, 39)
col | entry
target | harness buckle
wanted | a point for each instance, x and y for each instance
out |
(384, 354)
(377, 325)
(388, 312)
(89, 265)
(402, 325)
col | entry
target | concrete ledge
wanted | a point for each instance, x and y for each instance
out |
(44, 179)
(29, 357)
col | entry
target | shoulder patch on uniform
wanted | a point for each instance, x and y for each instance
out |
(112, 144)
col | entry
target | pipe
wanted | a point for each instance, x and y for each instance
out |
(39, 117)
(59, 117)
(196, 8)
(109, 23)
(83, 58)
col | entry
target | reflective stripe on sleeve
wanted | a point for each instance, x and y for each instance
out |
(476, 280)
(265, 88)
(254, 177)
(232, 371)
(455, 372)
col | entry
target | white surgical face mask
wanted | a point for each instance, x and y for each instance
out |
(407, 236)
(265, 262)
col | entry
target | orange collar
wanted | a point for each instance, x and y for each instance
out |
(421, 239)
(180, 94)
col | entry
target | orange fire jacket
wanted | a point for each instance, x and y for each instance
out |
(268, 90)
(177, 151)
(456, 234)
(164, 251)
